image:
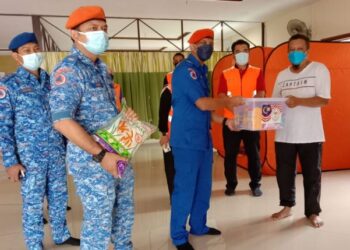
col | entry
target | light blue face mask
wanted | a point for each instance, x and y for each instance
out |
(32, 61)
(97, 41)
(242, 58)
(296, 57)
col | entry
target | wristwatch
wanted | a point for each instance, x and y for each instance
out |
(98, 158)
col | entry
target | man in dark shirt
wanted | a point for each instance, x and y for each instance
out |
(165, 115)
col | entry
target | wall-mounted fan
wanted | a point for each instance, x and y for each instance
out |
(296, 26)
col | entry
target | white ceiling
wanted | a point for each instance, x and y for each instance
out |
(247, 10)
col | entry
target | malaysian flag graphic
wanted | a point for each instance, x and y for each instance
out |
(269, 111)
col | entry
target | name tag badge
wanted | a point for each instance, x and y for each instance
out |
(26, 90)
(98, 85)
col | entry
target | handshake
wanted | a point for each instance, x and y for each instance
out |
(232, 101)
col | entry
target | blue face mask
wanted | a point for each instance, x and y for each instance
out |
(242, 58)
(296, 57)
(97, 41)
(204, 52)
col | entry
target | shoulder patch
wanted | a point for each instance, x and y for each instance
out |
(2, 92)
(59, 77)
(193, 73)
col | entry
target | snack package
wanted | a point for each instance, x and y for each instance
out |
(123, 136)
(260, 114)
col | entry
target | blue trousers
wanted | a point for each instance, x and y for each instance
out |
(108, 206)
(45, 176)
(192, 190)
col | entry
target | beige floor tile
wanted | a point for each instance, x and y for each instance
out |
(244, 220)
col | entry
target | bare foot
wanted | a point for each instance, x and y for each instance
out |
(285, 212)
(316, 221)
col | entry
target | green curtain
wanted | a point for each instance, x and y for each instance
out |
(142, 92)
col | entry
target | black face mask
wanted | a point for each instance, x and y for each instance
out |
(204, 52)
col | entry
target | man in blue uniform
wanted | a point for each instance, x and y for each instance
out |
(33, 152)
(82, 100)
(191, 140)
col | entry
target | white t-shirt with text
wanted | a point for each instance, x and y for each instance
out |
(303, 124)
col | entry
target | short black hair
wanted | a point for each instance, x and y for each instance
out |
(239, 42)
(178, 54)
(300, 36)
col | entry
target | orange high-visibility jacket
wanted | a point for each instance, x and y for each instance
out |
(118, 95)
(169, 77)
(238, 86)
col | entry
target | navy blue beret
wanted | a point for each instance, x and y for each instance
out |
(21, 39)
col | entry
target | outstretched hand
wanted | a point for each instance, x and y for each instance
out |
(234, 102)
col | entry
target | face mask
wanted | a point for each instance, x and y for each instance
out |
(296, 57)
(97, 41)
(204, 52)
(242, 58)
(32, 61)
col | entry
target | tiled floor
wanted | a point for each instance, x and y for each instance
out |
(244, 221)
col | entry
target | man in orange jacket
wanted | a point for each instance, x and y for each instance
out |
(247, 81)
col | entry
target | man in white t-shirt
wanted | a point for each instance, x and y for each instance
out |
(306, 84)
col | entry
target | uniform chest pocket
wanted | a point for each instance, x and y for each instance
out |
(97, 92)
(29, 99)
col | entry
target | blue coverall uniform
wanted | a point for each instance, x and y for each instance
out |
(192, 148)
(82, 90)
(28, 138)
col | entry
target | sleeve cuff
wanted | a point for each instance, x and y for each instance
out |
(63, 115)
(10, 162)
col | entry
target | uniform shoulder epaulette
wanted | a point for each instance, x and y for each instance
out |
(7, 78)
(7, 81)
(71, 59)
(68, 61)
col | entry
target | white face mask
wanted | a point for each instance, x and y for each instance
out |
(32, 61)
(242, 58)
(97, 41)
